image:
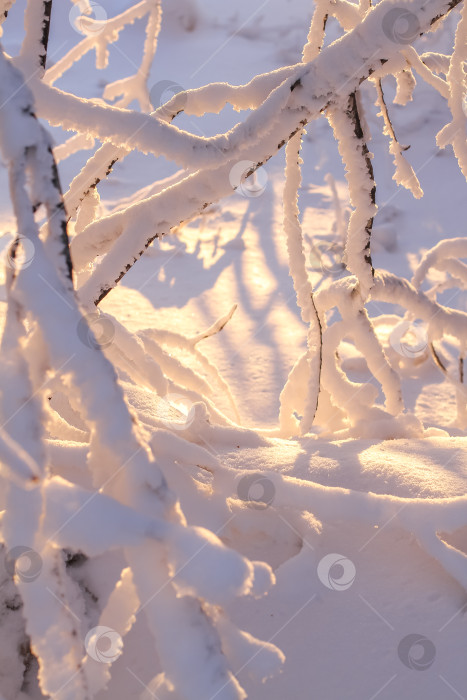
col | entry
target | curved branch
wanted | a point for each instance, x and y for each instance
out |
(323, 81)
(210, 98)
(282, 115)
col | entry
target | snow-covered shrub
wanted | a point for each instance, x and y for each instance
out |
(83, 474)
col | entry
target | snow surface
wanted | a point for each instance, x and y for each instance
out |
(341, 637)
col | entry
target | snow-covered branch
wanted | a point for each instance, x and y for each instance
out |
(88, 467)
(125, 476)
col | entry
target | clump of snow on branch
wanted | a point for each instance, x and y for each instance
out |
(81, 479)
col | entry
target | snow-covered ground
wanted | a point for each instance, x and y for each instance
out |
(344, 626)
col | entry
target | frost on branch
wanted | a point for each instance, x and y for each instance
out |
(83, 481)
(47, 513)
